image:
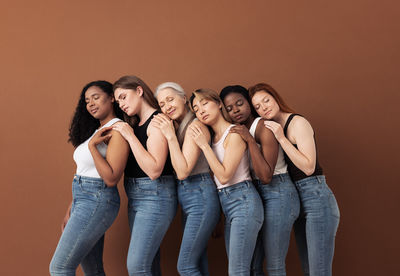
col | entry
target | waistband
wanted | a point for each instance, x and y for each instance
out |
(196, 177)
(317, 178)
(243, 184)
(88, 179)
(143, 180)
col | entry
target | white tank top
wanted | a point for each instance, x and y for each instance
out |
(83, 158)
(280, 166)
(242, 172)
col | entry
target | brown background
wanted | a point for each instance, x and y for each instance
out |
(337, 62)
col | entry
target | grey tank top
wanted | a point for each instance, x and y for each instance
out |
(201, 165)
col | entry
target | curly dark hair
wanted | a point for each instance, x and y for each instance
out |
(83, 124)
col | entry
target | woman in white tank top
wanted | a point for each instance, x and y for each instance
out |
(100, 156)
(228, 159)
(277, 191)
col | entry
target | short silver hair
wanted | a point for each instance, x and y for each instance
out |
(173, 85)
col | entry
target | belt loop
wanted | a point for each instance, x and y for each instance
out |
(281, 177)
(319, 180)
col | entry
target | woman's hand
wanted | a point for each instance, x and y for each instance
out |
(198, 136)
(243, 132)
(276, 129)
(166, 125)
(124, 128)
(102, 135)
(65, 221)
(66, 218)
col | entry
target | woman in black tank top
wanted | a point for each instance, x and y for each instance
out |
(149, 180)
(319, 218)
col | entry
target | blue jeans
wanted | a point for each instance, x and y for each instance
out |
(281, 209)
(244, 217)
(198, 197)
(315, 230)
(151, 208)
(94, 208)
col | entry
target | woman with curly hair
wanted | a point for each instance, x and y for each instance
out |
(100, 155)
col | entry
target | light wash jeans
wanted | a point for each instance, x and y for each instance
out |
(151, 208)
(94, 208)
(315, 230)
(198, 197)
(244, 217)
(281, 209)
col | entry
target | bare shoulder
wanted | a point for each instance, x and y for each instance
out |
(200, 125)
(262, 131)
(300, 129)
(152, 130)
(300, 123)
(233, 139)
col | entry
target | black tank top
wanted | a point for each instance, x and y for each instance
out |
(295, 173)
(132, 168)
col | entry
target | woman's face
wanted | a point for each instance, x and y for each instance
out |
(265, 105)
(207, 111)
(128, 100)
(172, 104)
(98, 103)
(238, 107)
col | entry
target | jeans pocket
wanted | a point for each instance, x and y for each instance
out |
(90, 189)
(147, 188)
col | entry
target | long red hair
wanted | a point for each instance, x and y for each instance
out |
(270, 90)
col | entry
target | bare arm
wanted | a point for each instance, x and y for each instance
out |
(264, 159)
(183, 160)
(111, 168)
(152, 160)
(66, 217)
(301, 133)
(234, 150)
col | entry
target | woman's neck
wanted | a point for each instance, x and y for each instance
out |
(107, 119)
(281, 118)
(249, 121)
(219, 126)
(183, 115)
(145, 112)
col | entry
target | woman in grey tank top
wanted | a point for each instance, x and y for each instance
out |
(197, 193)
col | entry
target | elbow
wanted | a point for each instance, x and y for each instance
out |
(154, 174)
(182, 176)
(309, 171)
(183, 173)
(111, 183)
(266, 179)
(223, 180)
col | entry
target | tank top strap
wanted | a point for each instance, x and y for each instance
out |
(253, 126)
(111, 122)
(181, 131)
(291, 116)
(222, 139)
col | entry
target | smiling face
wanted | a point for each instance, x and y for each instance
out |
(238, 107)
(98, 103)
(128, 100)
(265, 105)
(206, 110)
(172, 104)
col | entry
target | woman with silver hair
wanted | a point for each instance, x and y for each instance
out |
(196, 190)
